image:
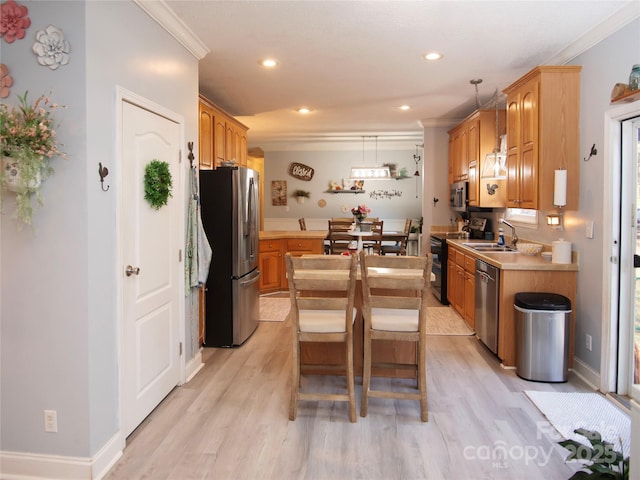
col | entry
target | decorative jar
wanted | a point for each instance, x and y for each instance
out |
(634, 78)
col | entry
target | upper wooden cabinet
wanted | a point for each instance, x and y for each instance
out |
(469, 143)
(543, 112)
(221, 137)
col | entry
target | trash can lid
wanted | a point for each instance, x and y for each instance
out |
(542, 301)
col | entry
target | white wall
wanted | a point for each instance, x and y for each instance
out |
(59, 328)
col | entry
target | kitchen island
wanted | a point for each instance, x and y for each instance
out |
(523, 273)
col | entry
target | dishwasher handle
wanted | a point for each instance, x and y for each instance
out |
(485, 277)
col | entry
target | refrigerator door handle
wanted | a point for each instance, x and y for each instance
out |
(252, 218)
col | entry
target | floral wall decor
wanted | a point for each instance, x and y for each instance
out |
(51, 48)
(13, 21)
(5, 81)
(28, 142)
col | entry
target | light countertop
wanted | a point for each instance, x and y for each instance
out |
(515, 261)
(278, 234)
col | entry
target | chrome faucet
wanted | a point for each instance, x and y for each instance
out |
(514, 237)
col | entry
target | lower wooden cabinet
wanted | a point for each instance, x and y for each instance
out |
(270, 265)
(271, 259)
(461, 288)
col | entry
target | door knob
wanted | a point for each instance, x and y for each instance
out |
(132, 271)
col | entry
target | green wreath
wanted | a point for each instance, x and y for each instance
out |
(157, 183)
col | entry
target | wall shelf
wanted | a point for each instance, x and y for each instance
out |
(345, 191)
(627, 97)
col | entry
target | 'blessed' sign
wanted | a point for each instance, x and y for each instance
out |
(300, 171)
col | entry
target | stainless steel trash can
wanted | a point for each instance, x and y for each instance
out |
(542, 336)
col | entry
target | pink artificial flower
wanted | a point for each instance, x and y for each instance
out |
(13, 21)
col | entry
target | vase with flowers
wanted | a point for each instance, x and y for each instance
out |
(28, 142)
(360, 213)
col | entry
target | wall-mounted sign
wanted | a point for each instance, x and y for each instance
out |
(300, 171)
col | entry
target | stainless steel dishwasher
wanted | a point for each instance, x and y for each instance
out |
(487, 296)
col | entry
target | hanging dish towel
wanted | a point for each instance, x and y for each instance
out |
(198, 250)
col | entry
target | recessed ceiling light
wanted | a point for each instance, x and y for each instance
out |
(303, 110)
(433, 56)
(404, 107)
(269, 62)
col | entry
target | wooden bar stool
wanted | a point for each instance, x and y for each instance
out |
(322, 291)
(394, 308)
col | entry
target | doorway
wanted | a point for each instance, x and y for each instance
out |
(621, 293)
(628, 372)
(150, 272)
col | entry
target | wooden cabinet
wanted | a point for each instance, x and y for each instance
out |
(271, 259)
(460, 156)
(469, 143)
(543, 112)
(221, 137)
(461, 284)
(270, 265)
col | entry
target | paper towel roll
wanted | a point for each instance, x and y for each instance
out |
(561, 251)
(560, 188)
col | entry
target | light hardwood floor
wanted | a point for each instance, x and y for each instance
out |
(230, 422)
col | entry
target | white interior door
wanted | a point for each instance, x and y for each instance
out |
(150, 241)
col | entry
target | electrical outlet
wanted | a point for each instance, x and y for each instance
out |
(589, 342)
(51, 421)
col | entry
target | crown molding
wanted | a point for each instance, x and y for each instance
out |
(626, 14)
(167, 19)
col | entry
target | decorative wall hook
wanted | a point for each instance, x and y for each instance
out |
(591, 153)
(103, 172)
(435, 201)
(190, 156)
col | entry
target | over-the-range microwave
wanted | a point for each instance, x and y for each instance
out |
(458, 196)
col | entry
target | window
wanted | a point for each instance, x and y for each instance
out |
(523, 216)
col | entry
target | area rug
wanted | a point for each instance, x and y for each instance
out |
(567, 411)
(446, 321)
(274, 309)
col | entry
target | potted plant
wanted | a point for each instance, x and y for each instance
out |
(602, 461)
(28, 142)
(301, 195)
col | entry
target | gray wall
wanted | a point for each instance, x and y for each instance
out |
(335, 165)
(59, 332)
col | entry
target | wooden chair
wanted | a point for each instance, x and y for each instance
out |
(373, 244)
(400, 247)
(394, 308)
(302, 223)
(322, 292)
(339, 238)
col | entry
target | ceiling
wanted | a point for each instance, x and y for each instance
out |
(354, 62)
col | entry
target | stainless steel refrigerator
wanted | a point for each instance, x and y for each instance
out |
(230, 217)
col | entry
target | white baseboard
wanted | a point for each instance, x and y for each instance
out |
(192, 368)
(586, 373)
(32, 466)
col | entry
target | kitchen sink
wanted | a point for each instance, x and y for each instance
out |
(491, 247)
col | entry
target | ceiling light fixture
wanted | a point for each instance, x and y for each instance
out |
(433, 56)
(404, 107)
(370, 173)
(269, 63)
(495, 163)
(304, 110)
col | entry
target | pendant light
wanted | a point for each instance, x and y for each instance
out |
(370, 173)
(495, 163)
